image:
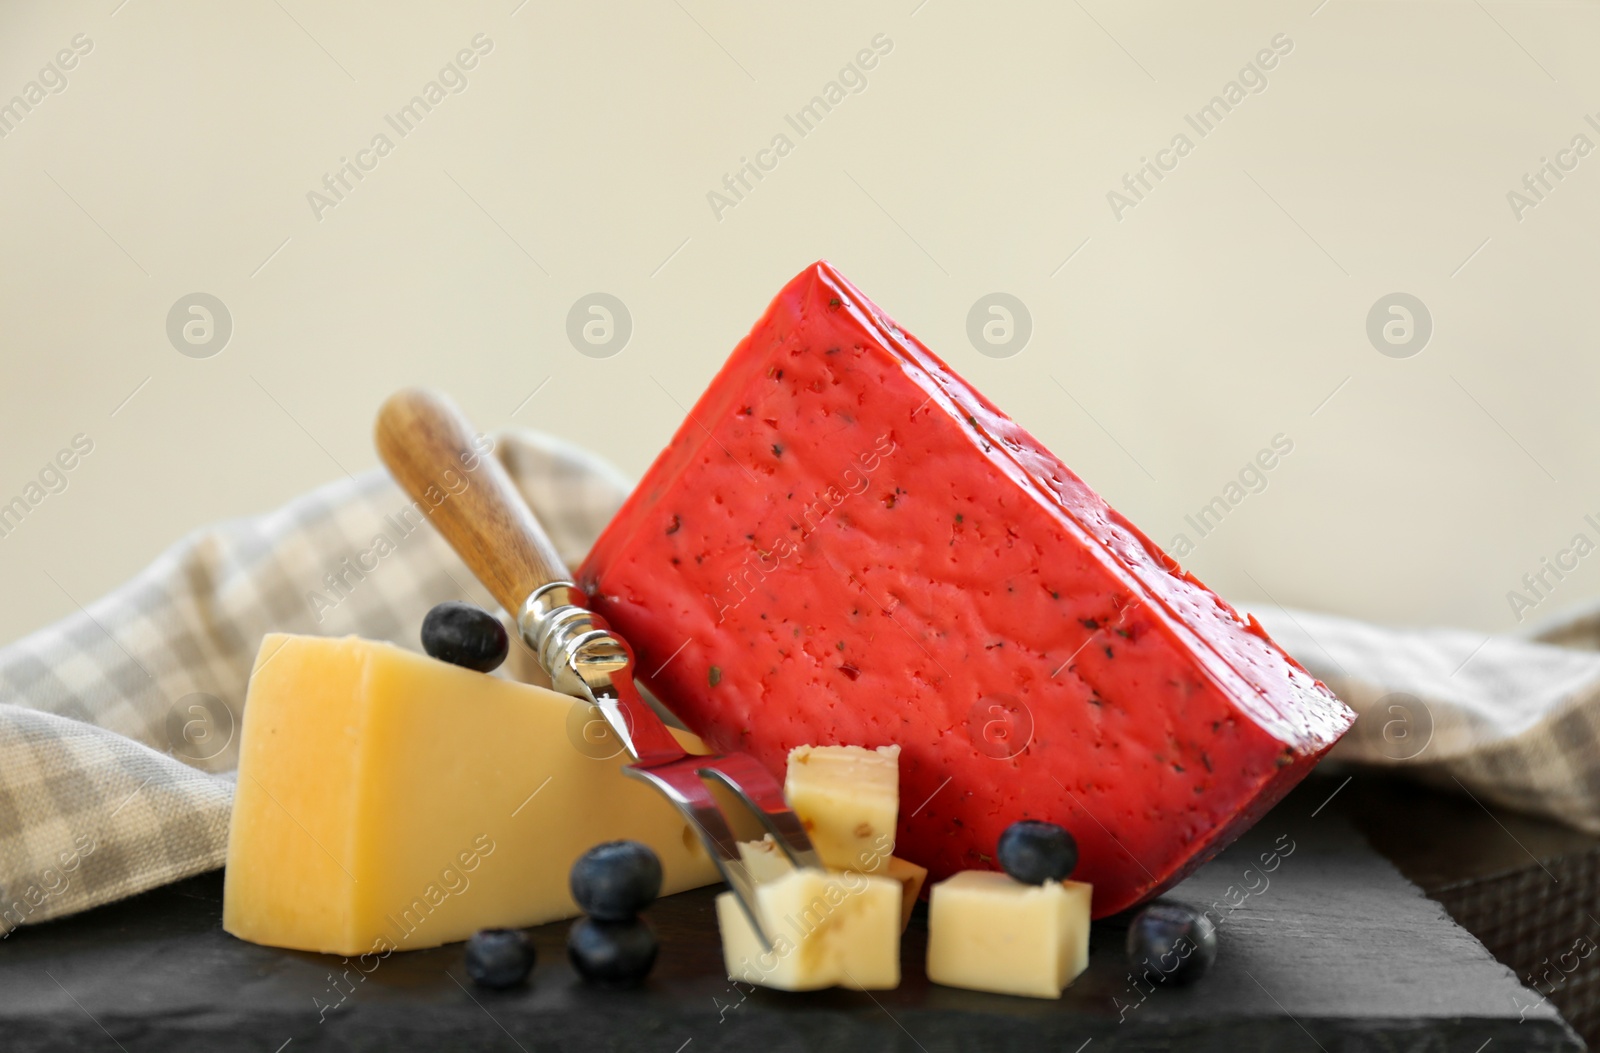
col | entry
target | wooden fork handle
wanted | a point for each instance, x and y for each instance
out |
(430, 449)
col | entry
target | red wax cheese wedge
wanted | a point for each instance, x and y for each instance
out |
(846, 544)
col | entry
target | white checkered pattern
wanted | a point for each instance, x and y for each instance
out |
(116, 768)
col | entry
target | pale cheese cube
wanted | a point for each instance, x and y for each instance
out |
(764, 861)
(827, 930)
(848, 798)
(990, 932)
(911, 878)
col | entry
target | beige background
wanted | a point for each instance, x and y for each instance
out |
(1225, 308)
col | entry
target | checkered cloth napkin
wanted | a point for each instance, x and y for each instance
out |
(118, 725)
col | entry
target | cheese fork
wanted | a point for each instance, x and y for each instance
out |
(428, 447)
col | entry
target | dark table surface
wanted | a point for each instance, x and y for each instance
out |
(1332, 950)
(1527, 887)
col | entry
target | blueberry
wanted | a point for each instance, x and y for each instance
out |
(1034, 852)
(616, 880)
(499, 957)
(612, 953)
(1171, 942)
(464, 635)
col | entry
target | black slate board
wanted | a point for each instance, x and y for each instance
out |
(1335, 951)
(1528, 888)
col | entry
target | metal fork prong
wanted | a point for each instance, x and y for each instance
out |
(753, 785)
(682, 785)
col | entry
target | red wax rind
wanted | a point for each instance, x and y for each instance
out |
(847, 544)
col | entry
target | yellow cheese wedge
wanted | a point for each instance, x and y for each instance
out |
(989, 932)
(827, 929)
(848, 797)
(389, 801)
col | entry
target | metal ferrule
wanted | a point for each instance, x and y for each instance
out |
(573, 644)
